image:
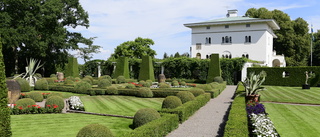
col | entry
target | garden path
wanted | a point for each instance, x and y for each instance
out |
(210, 120)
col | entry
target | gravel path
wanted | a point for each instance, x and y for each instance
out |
(208, 121)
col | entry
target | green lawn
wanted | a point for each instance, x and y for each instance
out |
(295, 120)
(119, 105)
(291, 94)
(63, 125)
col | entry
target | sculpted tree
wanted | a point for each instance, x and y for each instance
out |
(293, 39)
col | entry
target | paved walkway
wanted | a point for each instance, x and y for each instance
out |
(208, 121)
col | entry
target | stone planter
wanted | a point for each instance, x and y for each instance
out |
(254, 98)
(305, 86)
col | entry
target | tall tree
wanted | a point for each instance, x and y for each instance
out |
(316, 49)
(38, 29)
(293, 38)
(176, 55)
(165, 55)
(86, 52)
(135, 49)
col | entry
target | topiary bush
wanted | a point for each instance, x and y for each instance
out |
(50, 80)
(149, 81)
(104, 83)
(144, 116)
(175, 83)
(82, 87)
(95, 130)
(36, 96)
(121, 79)
(171, 102)
(24, 85)
(144, 83)
(25, 102)
(218, 79)
(164, 85)
(105, 77)
(185, 96)
(112, 90)
(69, 81)
(130, 86)
(88, 80)
(55, 100)
(205, 87)
(183, 83)
(144, 92)
(41, 84)
(196, 91)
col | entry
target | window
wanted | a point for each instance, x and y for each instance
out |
(248, 39)
(222, 39)
(208, 40)
(207, 56)
(226, 26)
(247, 25)
(227, 39)
(198, 46)
(208, 27)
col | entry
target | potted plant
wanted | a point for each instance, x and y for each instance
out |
(252, 85)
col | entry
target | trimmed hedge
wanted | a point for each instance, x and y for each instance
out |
(189, 108)
(214, 68)
(295, 75)
(25, 102)
(144, 92)
(144, 116)
(122, 68)
(24, 84)
(72, 67)
(95, 130)
(146, 69)
(171, 102)
(185, 96)
(237, 124)
(156, 128)
(36, 96)
(41, 84)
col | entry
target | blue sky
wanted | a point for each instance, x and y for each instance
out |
(116, 21)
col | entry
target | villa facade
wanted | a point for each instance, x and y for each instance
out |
(236, 36)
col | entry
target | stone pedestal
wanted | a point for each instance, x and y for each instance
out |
(14, 91)
(161, 78)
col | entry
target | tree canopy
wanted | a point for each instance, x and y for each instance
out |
(38, 29)
(293, 39)
(135, 49)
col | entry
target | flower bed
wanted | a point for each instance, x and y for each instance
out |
(33, 109)
(75, 103)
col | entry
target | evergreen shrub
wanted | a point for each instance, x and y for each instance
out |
(149, 81)
(88, 80)
(175, 83)
(25, 102)
(82, 87)
(50, 80)
(182, 83)
(121, 79)
(112, 90)
(122, 68)
(146, 69)
(36, 96)
(104, 83)
(164, 85)
(171, 102)
(185, 96)
(214, 68)
(95, 130)
(68, 81)
(55, 100)
(41, 84)
(105, 77)
(24, 85)
(196, 91)
(144, 92)
(218, 79)
(130, 86)
(144, 116)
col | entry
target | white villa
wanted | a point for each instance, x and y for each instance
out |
(236, 36)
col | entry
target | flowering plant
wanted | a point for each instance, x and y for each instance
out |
(262, 125)
(255, 107)
(75, 103)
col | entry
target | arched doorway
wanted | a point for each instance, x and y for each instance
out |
(276, 63)
(198, 56)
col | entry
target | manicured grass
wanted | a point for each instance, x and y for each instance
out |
(64, 94)
(119, 105)
(63, 125)
(295, 120)
(291, 94)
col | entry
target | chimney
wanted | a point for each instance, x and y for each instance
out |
(232, 13)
